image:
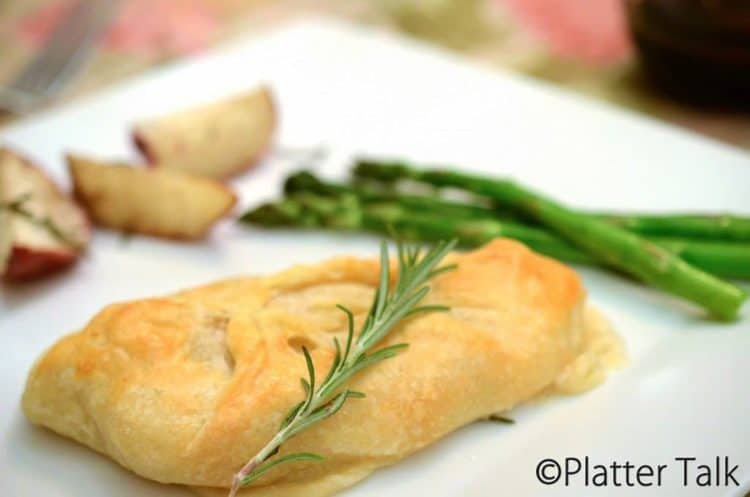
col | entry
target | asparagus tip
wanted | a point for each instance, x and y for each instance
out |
(300, 181)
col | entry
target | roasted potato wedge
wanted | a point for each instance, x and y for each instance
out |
(156, 202)
(215, 140)
(42, 230)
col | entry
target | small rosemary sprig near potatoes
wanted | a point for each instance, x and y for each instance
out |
(389, 307)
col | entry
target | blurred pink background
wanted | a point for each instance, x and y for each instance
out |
(582, 45)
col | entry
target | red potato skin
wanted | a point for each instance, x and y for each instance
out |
(141, 144)
(27, 263)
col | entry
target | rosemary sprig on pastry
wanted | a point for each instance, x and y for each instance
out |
(390, 305)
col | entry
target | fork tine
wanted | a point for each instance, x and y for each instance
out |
(65, 49)
(63, 40)
(101, 19)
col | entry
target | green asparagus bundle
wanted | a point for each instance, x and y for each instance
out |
(611, 245)
(727, 259)
(719, 227)
(346, 212)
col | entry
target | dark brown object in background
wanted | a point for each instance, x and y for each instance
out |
(697, 50)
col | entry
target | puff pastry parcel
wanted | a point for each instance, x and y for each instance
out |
(186, 388)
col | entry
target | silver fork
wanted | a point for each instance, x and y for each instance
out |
(63, 54)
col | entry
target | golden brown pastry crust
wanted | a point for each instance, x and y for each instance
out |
(184, 389)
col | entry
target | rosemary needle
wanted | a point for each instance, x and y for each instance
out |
(17, 207)
(501, 419)
(389, 307)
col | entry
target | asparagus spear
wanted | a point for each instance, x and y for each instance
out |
(727, 259)
(613, 246)
(304, 181)
(718, 227)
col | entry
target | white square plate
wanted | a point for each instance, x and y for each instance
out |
(684, 393)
